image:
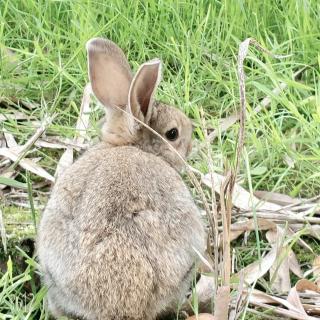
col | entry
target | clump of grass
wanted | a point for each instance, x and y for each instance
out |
(20, 294)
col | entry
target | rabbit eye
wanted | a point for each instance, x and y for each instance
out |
(172, 134)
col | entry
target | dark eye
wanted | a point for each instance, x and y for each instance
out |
(172, 134)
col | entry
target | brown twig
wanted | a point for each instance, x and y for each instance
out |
(290, 218)
(23, 151)
(228, 185)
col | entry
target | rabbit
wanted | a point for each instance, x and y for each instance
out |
(119, 236)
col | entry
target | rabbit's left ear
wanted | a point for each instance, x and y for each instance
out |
(142, 90)
(109, 72)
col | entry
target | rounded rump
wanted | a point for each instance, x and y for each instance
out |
(120, 227)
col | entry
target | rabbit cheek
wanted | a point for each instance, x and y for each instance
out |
(189, 149)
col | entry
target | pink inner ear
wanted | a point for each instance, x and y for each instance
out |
(147, 91)
(143, 87)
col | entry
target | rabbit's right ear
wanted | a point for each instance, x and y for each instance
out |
(109, 72)
(142, 90)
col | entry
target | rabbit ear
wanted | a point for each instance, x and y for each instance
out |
(109, 72)
(142, 89)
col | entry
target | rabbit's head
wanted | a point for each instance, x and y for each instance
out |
(115, 87)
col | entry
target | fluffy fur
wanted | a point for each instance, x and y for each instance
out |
(117, 236)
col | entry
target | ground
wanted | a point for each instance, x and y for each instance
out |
(43, 70)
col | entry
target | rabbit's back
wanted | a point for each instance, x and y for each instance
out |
(116, 221)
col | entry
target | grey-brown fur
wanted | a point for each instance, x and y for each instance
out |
(117, 236)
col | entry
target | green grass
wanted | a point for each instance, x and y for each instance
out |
(198, 43)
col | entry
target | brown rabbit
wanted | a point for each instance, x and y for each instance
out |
(117, 238)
